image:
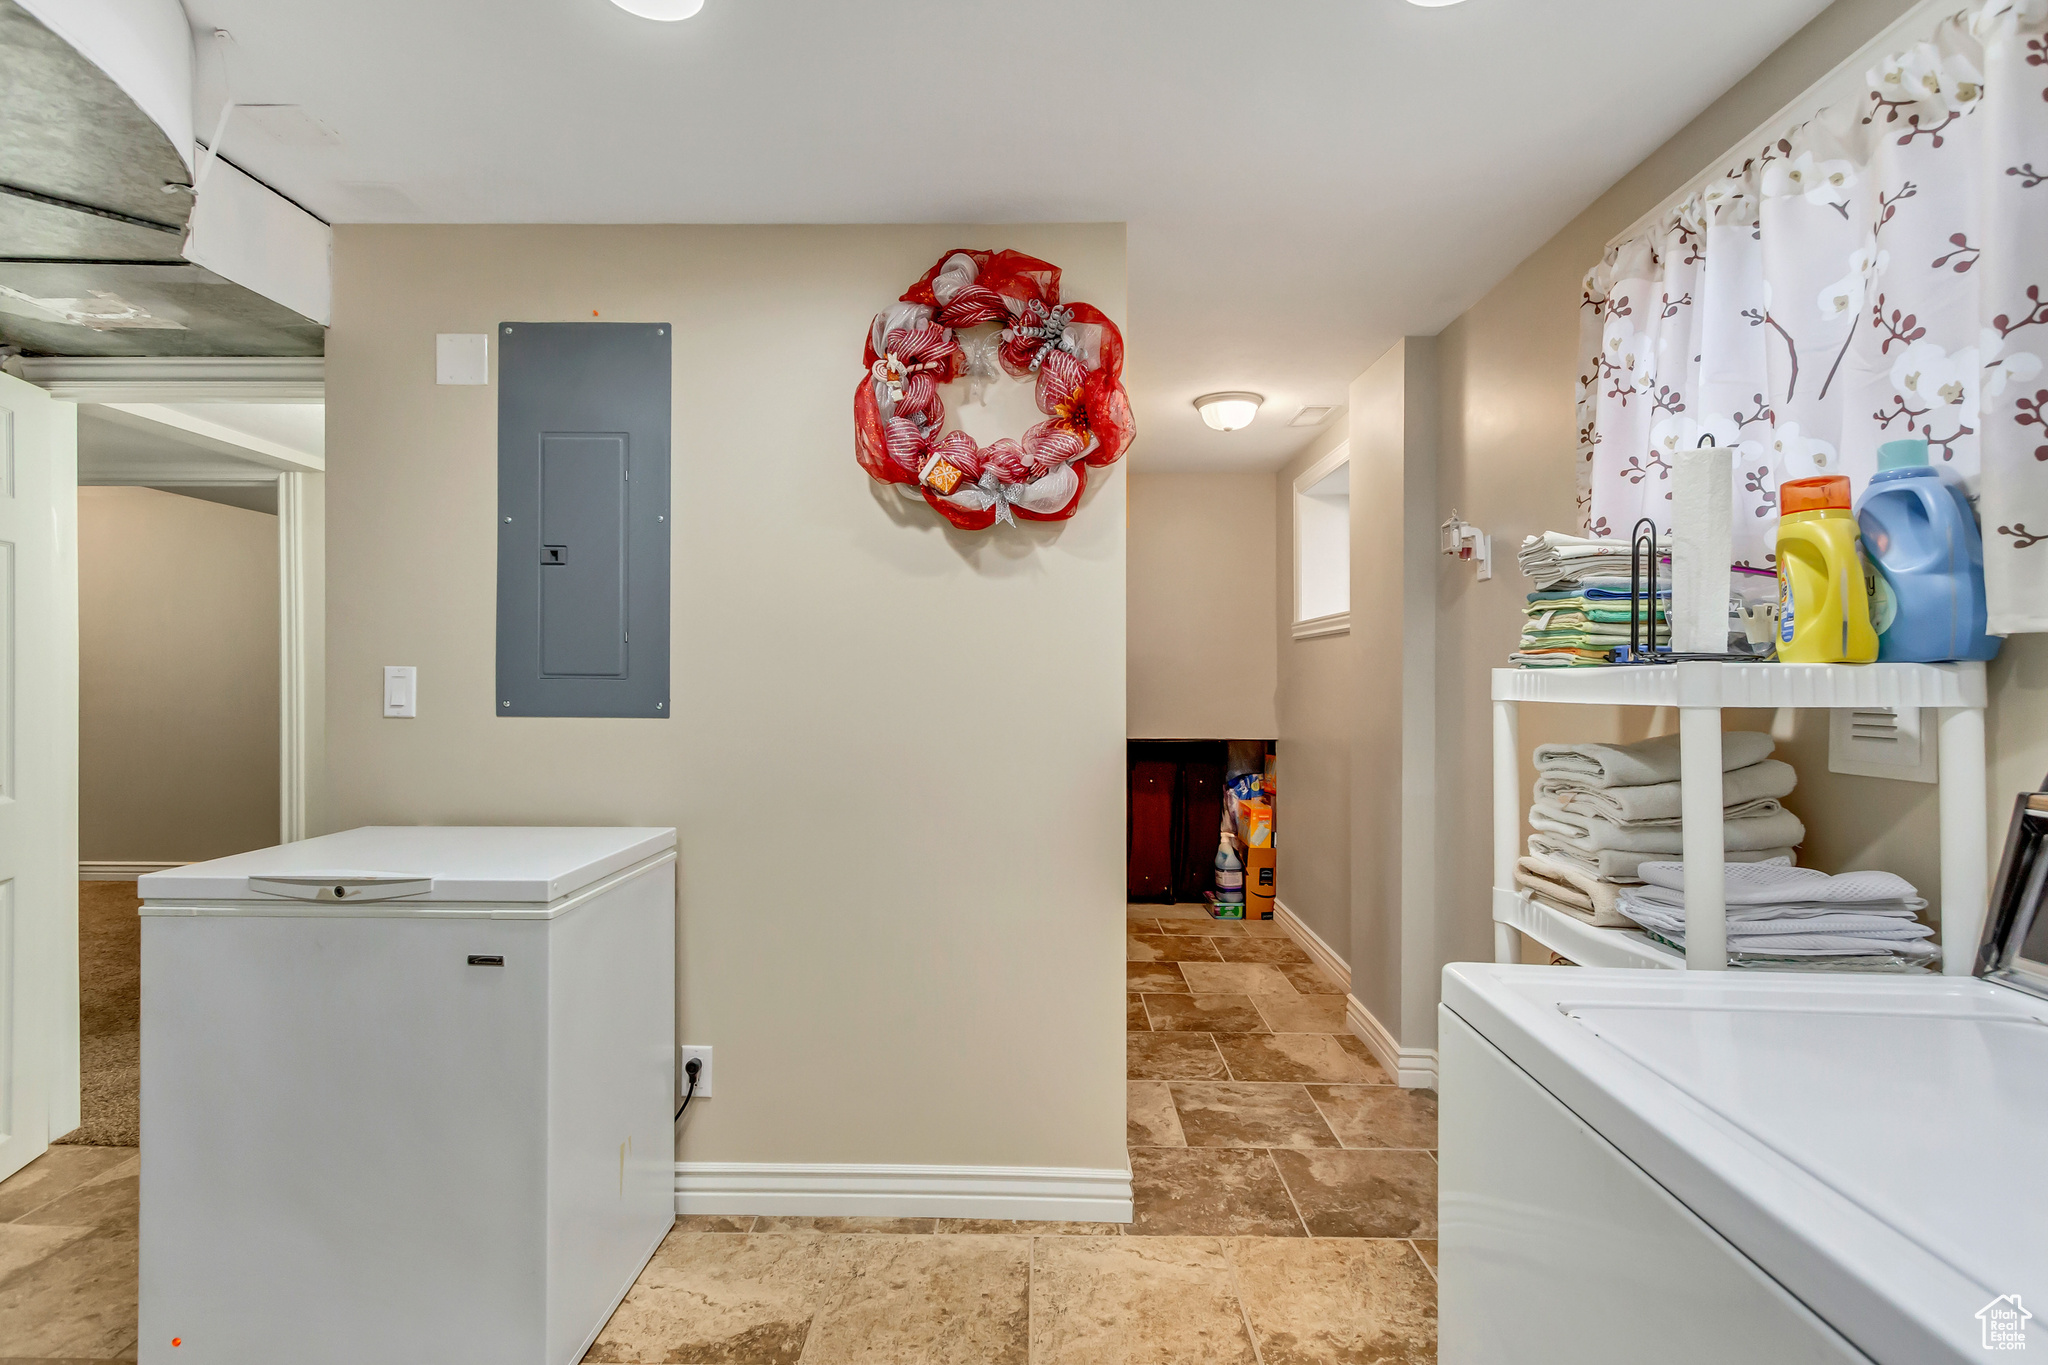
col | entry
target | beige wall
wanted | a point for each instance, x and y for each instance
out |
(1314, 709)
(1509, 443)
(1201, 607)
(178, 672)
(897, 760)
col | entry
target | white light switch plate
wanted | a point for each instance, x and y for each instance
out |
(702, 1054)
(401, 691)
(462, 358)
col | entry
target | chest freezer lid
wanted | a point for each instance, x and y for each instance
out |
(479, 863)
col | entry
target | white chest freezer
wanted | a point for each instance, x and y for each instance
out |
(407, 1095)
(1704, 1167)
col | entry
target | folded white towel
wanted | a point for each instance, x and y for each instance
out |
(1900, 928)
(1619, 865)
(1662, 800)
(1769, 826)
(1761, 884)
(1644, 762)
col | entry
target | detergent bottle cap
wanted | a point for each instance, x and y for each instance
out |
(1830, 492)
(1907, 454)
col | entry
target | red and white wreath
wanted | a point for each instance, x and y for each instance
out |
(1074, 353)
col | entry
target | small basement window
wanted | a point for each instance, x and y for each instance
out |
(1322, 547)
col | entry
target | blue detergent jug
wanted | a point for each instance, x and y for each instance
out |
(1928, 598)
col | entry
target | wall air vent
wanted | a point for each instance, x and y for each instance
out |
(1877, 741)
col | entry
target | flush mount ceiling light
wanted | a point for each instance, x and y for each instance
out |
(668, 11)
(1229, 411)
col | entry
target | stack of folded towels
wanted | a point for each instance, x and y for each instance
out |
(1603, 810)
(1579, 612)
(1795, 918)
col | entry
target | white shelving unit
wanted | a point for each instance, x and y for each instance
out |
(1701, 691)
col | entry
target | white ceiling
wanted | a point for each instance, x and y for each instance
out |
(1304, 180)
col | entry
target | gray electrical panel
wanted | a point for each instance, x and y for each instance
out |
(583, 550)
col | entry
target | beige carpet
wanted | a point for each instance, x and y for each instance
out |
(109, 1015)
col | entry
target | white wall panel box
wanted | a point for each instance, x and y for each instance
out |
(462, 358)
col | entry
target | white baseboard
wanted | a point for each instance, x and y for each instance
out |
(1312, 943)
(120, 872)
(1056, 1193)
(1414, 1068)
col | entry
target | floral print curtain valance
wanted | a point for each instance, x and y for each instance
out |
(1878, 273)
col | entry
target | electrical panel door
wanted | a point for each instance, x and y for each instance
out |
(583, 546)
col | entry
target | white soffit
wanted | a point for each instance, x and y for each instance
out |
(1303, 183)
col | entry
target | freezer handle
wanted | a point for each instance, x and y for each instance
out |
(343, 886)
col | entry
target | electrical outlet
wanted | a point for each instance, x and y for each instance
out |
(683, 1057)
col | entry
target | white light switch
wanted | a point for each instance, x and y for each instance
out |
(462, 358)
(401, 690)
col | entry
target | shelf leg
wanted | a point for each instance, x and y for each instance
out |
(1507, 819)
(1965, 850)
(1699, 772)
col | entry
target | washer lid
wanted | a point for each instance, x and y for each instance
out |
(1920, 1118)
(416, 863)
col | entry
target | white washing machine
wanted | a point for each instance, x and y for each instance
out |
(1720, 1167)
(407, 1095)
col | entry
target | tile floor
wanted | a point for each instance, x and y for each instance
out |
(1285, 1214)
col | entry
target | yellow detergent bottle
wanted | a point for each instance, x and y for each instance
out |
(1823, 583)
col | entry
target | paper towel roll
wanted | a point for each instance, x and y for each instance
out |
(1702, 545)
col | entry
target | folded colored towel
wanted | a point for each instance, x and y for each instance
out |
(1551, 656)
(1661, 800)
(1769, 825)
(1572, 891)
(1645, 761)
(1554, 557)
(1619, 865)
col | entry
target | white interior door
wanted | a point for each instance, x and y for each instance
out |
(38, 771)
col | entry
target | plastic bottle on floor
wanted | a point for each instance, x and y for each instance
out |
(1824, 586)
(1229, 874)
(1921, 534)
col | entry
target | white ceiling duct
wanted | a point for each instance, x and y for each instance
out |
(144, 46)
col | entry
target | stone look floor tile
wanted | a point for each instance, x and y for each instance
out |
(1309, 979)
(1204, 1013)
(933, 1300)
(1027, 1227)
(1362, 1193)
(1233, 1114)
(1149, 1117)
(56, 1172)
(79, 1301)
(1329, 1057)
(1378, 1115)
(1205, 928)
(1425, 1247)
(109, 1202)
(23, 1244)
(1265, 928)
(1135, 1018)
(1316, 1302)
(720, 1299)
(1135, 1301)
(1209, 1192)
(1135, 925)
(1186, 910)
(774, 1223)
(715, 1222)
(1262, 950)
(1302, 1013)
(1160, 1056)
(1235, 978)
(1154, 978)
(1169, 948)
